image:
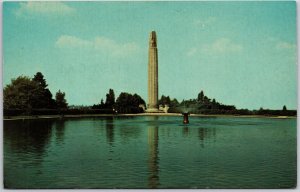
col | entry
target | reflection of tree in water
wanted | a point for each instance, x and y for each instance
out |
(59, 130)
(109, 125)
(28, 136)
(206, 134)
(131, 129)
(153, 161)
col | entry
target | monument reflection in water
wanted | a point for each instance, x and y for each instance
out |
(153, 153)
(153, 164)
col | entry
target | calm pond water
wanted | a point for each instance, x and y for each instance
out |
(150, 152)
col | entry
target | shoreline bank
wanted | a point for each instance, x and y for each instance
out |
(138, 114)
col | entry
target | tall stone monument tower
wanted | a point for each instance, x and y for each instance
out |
(152, 74)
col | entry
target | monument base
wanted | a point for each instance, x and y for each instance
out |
(153, 110)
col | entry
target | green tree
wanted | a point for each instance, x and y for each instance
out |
(20, 93)
(284, 108)
(123, 102)
(200, 98)
(39, 78)
(101, 105)
(43, 96)
(164, 100)
(60, 100)
(174, 103)
(206, 100)
(137, 100)
(213, 101)
(284, 111)
(214, 104)
(110, 99)
(127, 103)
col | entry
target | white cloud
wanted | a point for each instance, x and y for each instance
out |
(43, 8)
(71, 41)
(98, 44)
(192, 51)
(105, 44)
(223, 45)
(281, 45)
(285, 45)
(219, 46)
(205, 21)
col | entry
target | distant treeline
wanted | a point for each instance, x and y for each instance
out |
(204, 105)
(78, 111)
(30, 96)
(125, 103)
(89, 110)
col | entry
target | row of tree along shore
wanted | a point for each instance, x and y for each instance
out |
(204, 105)
(30, 96)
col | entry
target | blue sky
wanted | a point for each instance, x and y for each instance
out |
(240, 53)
